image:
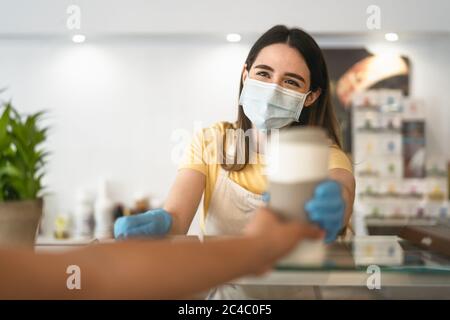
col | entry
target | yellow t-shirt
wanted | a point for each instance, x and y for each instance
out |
(205, 151)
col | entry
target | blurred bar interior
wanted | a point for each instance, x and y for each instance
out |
(124, 91)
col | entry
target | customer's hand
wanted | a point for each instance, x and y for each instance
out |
(277, 237)
(155, 222)
(327, 208)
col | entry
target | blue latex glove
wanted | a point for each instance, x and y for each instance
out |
(155, 222)
(266, 197)
(327, 208)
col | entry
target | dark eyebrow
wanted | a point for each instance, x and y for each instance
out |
(296, 76)
(264, 66)
(289, 74)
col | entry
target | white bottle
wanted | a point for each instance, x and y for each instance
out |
(83, 215)
(103, 213)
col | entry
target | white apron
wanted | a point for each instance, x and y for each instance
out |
(230, 209)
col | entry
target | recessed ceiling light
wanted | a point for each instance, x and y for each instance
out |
(392, 36)
(79, 38)
(233, 37)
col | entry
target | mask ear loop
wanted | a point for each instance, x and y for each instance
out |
(248, 76)
(303, 105)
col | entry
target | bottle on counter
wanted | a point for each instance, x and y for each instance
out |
(103, 213)
(61, 227)
(84, 215)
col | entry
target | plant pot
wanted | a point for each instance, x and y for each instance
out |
(19, 221)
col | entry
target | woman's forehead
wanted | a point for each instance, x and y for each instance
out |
(283, 59)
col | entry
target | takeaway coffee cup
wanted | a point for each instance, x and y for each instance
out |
(298, 161)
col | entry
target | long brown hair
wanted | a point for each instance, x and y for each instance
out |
(321, 113)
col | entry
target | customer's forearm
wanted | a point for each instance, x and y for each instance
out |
(173, 271)
(135, 270)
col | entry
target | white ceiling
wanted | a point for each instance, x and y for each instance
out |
(25, 18)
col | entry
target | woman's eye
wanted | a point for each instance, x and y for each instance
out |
(292, 83)
(263, 74)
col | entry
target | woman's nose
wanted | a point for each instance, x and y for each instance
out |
(278, 79)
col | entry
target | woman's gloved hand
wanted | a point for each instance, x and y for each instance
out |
(327, 208)
(155, 222)
(266, 197)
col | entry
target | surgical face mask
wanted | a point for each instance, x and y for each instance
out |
(269, 106)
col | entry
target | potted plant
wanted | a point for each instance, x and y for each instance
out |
(22, 162)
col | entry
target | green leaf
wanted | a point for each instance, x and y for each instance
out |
(10, 170)
(4, 121)
(21, 160)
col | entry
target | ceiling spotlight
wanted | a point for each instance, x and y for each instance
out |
(79, 38)
(233, 37)
(391, 36)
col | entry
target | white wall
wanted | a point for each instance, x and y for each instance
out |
(114, 107)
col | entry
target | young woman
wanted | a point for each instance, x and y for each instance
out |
(284, 83)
